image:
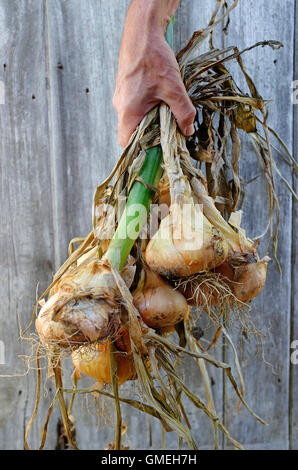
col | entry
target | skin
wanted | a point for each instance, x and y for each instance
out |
(148, 72)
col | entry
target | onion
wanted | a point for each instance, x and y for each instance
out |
(94, 361)
(173, 254)
(164, 192)
(243, 271)
(241, 277)
(245, 275)
(83, 305)
(159, 305)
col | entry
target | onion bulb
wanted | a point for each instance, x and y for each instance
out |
(241, 277)
(159, 305)
(185, 245)
(243, 271)
(245, 274)
(83, 304)
(94, 361)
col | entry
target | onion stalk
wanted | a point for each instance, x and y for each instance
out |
(237, 241)
(136, 211)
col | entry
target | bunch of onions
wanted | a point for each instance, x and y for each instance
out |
(243, 271)
(186, 242)
(159, 305)
(83, 305)
(94, 361)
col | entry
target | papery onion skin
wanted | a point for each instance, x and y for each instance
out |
(158, 303)
(247, 279)
(83, 305)
(164, 193)
(79, 321)
(174, 258)
(243, 282)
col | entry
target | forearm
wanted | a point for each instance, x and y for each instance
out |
(153, 14)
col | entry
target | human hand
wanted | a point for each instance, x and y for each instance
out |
(148, 71)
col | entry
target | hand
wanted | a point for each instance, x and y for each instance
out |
(148, 71)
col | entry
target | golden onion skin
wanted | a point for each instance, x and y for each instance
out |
(249, 280)
(94, 361)
(246, 279)
(173, 257)
(245, 282)
(78, 321)
(159, 305)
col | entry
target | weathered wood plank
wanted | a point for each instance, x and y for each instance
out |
(82, 43)
(57, 147)
(267, 392)
(294, 317)
(26, 230)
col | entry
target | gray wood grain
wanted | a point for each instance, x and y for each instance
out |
(83, 40)
(267, 388)
(294, 305)
(26, 230)
(55, 149)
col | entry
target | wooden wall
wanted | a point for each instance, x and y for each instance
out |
(58, 61)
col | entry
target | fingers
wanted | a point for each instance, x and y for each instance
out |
(133, 100)
(176, 97)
